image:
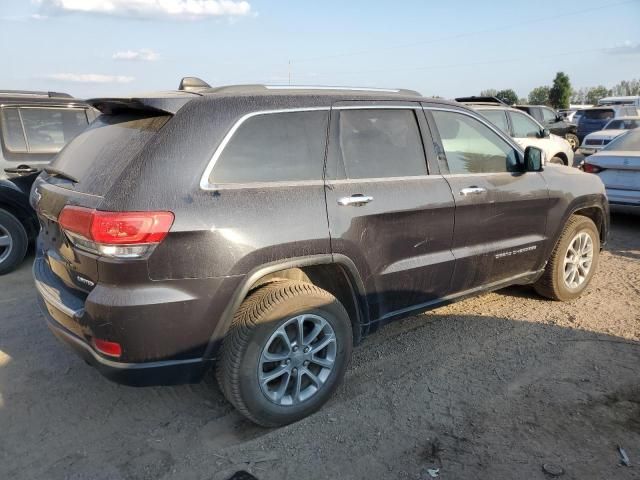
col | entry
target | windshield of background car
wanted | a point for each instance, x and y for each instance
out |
(599, 114)
(629, 141)
(40, 129)
(622, 124)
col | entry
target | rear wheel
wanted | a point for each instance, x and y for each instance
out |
(573, 261)
(573, 141)
(13, 242)
(286, 352)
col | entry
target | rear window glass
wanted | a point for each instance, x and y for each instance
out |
(275, 147)
(628, 142)
(101, 152)
(40, 130)
(623, 124)
(381, 143)
(599, 114)
(498, 118)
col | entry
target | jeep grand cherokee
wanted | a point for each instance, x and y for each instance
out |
(270, 229)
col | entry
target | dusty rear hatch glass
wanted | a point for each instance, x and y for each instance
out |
(84, 171)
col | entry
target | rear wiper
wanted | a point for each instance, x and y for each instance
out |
(54, 172)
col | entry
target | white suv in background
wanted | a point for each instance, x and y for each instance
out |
(596, 141)
(523, 128)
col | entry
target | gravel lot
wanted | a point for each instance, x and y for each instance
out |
(491, 387)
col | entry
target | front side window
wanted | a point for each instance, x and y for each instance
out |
(381, 143)
(472, 147)
(41, 130)
(498, 118)
(523, 126)
(274, 147)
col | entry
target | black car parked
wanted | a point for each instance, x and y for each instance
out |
(269, 229)
(34, 126)
(553, 121)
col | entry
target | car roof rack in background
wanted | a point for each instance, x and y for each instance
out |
(192, 83)
(29, 93)
(483, 100)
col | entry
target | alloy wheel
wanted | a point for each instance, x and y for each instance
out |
(6, 244)
(578, 260)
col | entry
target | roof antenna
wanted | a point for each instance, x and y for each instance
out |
(192, 83)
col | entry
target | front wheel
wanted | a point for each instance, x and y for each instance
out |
(573, 261)
(557, 160)
(573, 141)
(13, 242)
(287, 351)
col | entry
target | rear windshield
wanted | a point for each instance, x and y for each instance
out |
(627, 142)
(40, 129)
(97, 156)
(626, 124)
(599, 114)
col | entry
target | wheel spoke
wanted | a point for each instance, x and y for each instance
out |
(298, 387)
(282, 334)
(316, 381)
(322, 362)
(273, 374)
(300, 332)
(5, 240)
(317, 328)
(322, 344)
(274, 357)
(282, 389)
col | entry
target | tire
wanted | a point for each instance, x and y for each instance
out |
(557, 160)
(258, 324)
(573, 141)
(13, 242)
(552, 284)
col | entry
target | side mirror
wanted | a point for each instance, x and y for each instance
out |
(533, 159)
(545, 133)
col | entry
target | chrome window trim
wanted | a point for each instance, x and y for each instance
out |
(377, 107)
(343, 181)
(204, 180)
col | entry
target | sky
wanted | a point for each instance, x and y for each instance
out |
(450, 48)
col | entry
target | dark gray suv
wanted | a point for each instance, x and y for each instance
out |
(269, 229)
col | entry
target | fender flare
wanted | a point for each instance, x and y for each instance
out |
(353, 276)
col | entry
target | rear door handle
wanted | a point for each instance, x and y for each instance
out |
(22, 169)
(356, 200)
(472, 191)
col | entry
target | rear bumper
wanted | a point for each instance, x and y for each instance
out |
(69, 322)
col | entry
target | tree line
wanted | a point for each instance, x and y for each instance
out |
(560, 93)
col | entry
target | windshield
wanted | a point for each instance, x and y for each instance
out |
(629, 141)
(621, 124)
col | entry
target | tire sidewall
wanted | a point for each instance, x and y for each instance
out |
(250, 390)
(589, 227)
(18, 237)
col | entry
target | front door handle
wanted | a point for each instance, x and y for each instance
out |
(473, 191)
(21, 170)
(356, 200)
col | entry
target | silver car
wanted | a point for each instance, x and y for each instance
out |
(618, 166)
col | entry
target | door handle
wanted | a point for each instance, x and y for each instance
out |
(21, 170)
(356, 200)
(473, 191)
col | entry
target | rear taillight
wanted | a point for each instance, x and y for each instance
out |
(590, 168)
(115, 234)
(106, 347)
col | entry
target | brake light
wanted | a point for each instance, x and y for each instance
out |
(106, 347)
(115, 234)
(590, 168)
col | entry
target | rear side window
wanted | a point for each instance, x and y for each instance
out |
(472, 147)
(548, 115)
(523, 126)
(380, 143)
(498, 118)
(274, 147)
(41, 130)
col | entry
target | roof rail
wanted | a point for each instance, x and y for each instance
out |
(192, 83)
(474, 99)
(30, 93)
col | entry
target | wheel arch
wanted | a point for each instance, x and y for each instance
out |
(335, 273)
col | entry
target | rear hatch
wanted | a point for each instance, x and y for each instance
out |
(594, 119)
(83, 173)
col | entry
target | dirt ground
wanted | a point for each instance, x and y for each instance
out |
(493, 387)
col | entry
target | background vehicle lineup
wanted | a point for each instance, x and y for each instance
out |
(34, 126)
(553, 121)
(276, 291)
(597, 140)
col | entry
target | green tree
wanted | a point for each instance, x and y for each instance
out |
(489, 92)
(627, 87)
(508, 96)
(560, 92)
(539, 96)
(596, 93)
